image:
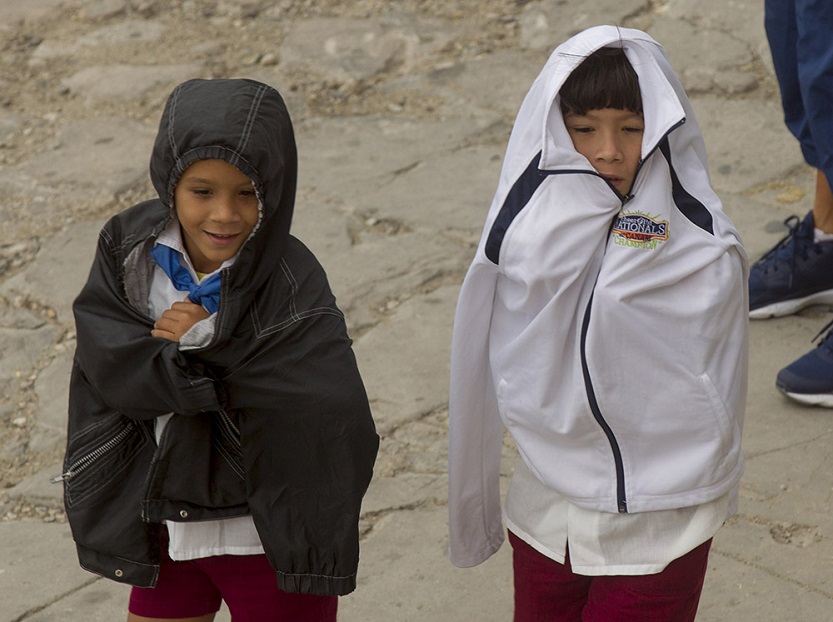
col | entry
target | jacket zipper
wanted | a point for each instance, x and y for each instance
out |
(89, 459)
(230, 429)
(621, 497)
(152, 469)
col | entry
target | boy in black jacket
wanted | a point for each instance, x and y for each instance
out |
(220, 439)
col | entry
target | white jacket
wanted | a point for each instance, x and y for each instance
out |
(610, 339)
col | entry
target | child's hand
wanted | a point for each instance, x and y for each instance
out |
(176, 321)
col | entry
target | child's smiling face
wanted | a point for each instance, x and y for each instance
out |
(611, 139)
(217, 210)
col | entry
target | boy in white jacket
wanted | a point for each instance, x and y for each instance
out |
(603, 323)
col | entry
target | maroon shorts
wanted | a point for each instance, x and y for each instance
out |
(247, 583)
(547, 590)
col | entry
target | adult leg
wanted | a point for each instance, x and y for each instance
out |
(823, 202)
(798, 271)
(814, 72)
(814, 57)
(545, 589)
(799, 37)
(670, 596)
(809, 379)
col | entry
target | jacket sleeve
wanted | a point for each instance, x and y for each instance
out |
(136, 374)
(475, 431)
(308, 439)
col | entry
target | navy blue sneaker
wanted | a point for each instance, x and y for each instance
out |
(794, 274)
(809, 379)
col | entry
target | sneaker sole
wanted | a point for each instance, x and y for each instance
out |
(824, 400)
(788, 307)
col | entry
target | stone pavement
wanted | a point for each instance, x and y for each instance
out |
(402, 112)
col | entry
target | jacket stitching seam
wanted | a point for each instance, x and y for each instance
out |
(275, 328)
(247, 128)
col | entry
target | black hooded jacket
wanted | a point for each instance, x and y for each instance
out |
(272, 418)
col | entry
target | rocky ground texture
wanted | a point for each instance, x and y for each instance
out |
(402, 110)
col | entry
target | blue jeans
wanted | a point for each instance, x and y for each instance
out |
(800, 34)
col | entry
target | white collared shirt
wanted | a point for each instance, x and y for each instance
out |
(230, 536)
(601, 543)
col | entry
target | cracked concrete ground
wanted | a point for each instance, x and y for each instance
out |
(402, 111)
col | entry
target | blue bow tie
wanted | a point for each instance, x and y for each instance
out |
(206, 293)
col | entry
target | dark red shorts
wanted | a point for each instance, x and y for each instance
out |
(547, 590)
(247, 583)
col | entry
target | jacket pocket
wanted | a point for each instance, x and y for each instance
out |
(98, 455)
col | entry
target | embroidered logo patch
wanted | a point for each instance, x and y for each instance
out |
(639, 230)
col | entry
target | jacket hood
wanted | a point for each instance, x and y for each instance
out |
(539, 126)
(662, 105)
(246, 124)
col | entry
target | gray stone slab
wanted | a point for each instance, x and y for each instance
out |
(95, 600)
(405, 490)
(39, 489)
(99, 156)
(16, 316)
(355, 49)
(10, 123)
(104, 9)
(48, 50)
(746, 142)
(738, 590)
(23, 347)
(706, 59)
(38, 566)
(405, 575)
(382, 272)
(101, 601)
(126, 81)
(345, 157)
(454, 189)
(127, 31)
(52, 389)
(740, 18)
(59, 271)
(544, 25)
(497, 81)
(31, 10)
(405, 360)
(121, 33)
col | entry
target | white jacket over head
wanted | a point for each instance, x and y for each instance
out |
(607, 333)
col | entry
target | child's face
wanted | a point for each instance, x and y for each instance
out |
(612, 140)
(217, 210)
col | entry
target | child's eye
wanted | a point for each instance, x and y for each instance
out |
(634, 129)
(248, 193)
(581, 129)
(203, 192)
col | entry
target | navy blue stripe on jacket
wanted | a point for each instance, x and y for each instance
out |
(522, 190)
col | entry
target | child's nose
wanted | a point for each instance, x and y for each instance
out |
(609, 149)
(225, 209)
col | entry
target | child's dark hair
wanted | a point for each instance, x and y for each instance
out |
(605, 79)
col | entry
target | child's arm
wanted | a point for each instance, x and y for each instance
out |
(178, 320)
(135, 373)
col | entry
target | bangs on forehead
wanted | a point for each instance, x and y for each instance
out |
(605, 79)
